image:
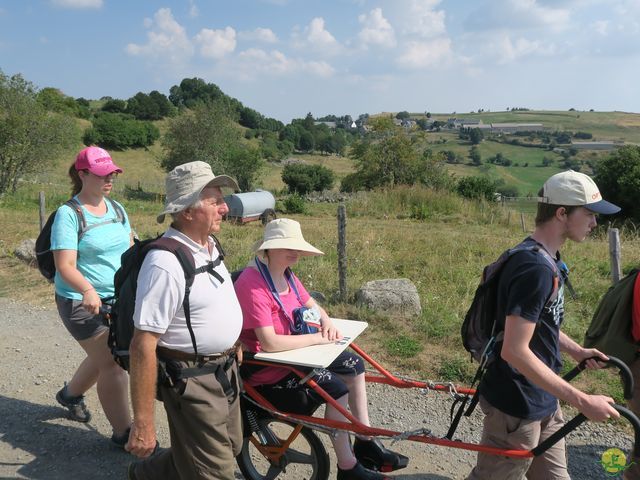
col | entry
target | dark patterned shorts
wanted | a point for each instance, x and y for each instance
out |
(289, 396)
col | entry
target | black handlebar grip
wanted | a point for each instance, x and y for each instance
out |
(625, 373)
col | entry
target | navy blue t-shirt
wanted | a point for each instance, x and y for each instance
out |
(525, 287)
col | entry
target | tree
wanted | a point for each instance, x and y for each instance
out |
(54, 100)
(30, 137)
(474, 155)
(208, 133)
(618, 177)
(403, 115)
(391, 161)
(475, 136)
(114, 106)
(306, 142)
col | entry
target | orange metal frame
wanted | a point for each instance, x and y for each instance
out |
(355, 426)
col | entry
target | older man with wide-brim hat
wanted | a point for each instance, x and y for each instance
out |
(191, 323)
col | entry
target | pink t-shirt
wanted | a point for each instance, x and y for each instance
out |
(260, 309)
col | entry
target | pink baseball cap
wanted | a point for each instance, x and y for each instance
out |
(97, 160)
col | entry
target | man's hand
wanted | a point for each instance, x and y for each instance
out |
(142, 440)
(587, 353)
(239, 353)
(598, 408)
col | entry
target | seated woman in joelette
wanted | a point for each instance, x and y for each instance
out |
(269, 294)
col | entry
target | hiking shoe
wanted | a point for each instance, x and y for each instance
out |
(358, 472)
(373, 455)
(78, 411)
(121, 440)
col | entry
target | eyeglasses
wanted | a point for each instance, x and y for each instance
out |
(105, 178)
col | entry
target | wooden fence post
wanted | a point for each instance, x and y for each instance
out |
(614, 254)
(524, 227)
(342, 252)
(42, 210)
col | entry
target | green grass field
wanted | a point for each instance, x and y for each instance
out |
(603, 125)
(442, 254)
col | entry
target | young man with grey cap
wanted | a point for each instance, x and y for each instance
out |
(198, 346)
(520, 390)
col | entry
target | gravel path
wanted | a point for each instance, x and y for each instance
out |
(38, 442)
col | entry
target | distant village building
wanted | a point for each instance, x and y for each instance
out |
(601, 145)
(331, 125)
(516, 127)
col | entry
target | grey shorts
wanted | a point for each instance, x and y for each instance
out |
(80, 323)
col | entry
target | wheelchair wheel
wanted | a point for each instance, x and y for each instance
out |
(263, 458)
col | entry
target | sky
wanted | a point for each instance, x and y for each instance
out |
(285, 58)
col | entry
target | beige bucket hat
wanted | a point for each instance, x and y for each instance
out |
(185, 183)
(284, 233)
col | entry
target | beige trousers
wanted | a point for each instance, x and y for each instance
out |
(504, 431)
(205, 429)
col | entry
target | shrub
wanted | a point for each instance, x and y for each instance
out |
(115, 131)
(477, 187)
(295, 204)
(303, 179)
(353, 182)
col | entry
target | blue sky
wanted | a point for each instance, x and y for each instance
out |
(289, 57)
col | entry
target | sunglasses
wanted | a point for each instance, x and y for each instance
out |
(105, 178)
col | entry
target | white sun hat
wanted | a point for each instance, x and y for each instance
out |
(285, 233)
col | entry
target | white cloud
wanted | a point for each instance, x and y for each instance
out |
(601, 27)
(376, 30)
(316, 37)
(216, 43)
(193, 9)
(320, 69)
(77, 3)
(517, 14)
(422, 19)
(254, 61)
(166, 39)
(264, 35)
(425, 54)
(510, 51)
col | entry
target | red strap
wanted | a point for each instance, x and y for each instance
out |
(635, 312)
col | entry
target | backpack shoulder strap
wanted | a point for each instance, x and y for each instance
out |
(185, 258)
(117, 208)
(74, 205)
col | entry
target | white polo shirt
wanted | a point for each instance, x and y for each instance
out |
(216, 317)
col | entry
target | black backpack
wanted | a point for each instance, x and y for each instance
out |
(44, 254)
(125, 285)
(610, 328)
(480, 333)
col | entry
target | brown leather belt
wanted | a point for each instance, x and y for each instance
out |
(191, 357)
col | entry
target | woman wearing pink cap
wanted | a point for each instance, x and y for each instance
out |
(88, 236)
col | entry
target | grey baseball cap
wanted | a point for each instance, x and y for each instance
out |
(185, 183)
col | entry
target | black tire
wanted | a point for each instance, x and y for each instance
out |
(268, 215)
(305, 459)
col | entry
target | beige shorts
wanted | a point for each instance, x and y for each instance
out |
(504, 431)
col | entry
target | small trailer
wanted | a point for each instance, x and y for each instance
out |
(250, 206)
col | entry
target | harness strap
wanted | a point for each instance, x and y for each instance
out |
(219, 370)
(264, 271)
